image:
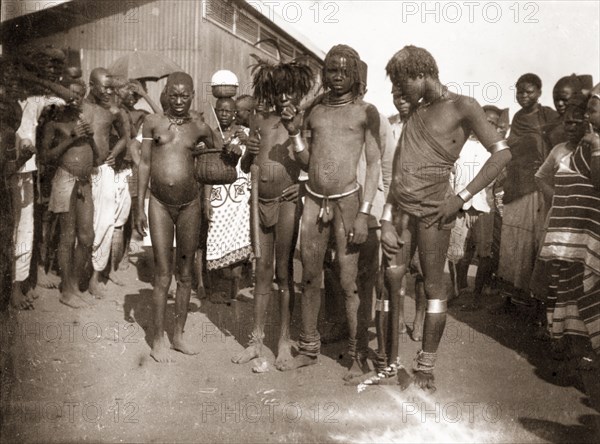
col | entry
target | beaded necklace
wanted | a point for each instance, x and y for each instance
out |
(177, 121)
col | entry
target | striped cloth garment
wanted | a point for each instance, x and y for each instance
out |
(572, 243)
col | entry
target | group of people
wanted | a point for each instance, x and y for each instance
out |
(364, 199)
(65, 170)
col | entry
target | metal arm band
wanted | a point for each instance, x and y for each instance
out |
(365, 207)
(299, 144)
(387, 213)
(595, 153)
(436, 306)
(498, 146)
(382, 305)
(465, 195)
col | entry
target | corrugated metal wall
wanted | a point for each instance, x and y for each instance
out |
(174, 27)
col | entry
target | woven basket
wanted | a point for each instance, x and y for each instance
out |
(215, 167)
(224, 91)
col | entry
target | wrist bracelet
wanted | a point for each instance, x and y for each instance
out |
(387, 215)
(298, 142)
(465, 195)
(365, 207)
(498, 146)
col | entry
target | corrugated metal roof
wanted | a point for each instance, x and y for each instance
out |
(28, 19)
(96, 33)
(13, 9)
(270, 14)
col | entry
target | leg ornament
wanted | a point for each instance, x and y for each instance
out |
(384, 373)
(424, 362)
(437, 306)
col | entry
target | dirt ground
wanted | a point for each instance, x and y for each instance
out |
(86, 376)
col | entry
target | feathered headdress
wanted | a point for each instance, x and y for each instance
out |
(269, 79)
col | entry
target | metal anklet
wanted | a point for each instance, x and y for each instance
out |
(424, 362)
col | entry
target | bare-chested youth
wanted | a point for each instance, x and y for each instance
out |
(340, 124)
(431, 142)
(68, 138)
(270, 149)
(105, 117)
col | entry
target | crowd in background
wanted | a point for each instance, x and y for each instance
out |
(535, 231)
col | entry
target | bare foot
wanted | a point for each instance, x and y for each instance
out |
(417, 332)
(115, 279)
(125, 263)
(47, 280)
(402, 328)
(182, 346)
(284, 354)
(96, 289)
(160, 352)
(425, 381)
(31, 295)
(254, 350)
(369, 378)
(87, 297)
(299, 361)
(358, 367)
(18, 300)
(71, 299)
(386, 376)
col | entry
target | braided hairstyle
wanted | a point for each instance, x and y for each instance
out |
(355, 67)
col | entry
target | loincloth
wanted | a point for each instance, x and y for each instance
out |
(421, 170)
(417, 210)
(344, 205)
(269, 210)
(177, 207)
(63, 184)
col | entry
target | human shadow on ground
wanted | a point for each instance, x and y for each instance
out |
(236, 318)
(515, 327)
(584, 432)
(143, 260)
(137, 308)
